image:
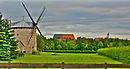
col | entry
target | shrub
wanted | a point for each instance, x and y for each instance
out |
(35, 53)
(21, 54)
(71, 51)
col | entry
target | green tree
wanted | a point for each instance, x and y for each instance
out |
(100, 44)
(59, 47)
(40, 43)
(52, 44)
(79, 43)
(7, 45)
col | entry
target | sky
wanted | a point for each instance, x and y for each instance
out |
(83, 18)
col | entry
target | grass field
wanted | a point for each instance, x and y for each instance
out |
(67, 58)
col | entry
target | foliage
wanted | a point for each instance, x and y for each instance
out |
(80, 44)
(7, 45)
(71, 51)
(118, 53)
(20, 54)
(40, 43)
(35, 53)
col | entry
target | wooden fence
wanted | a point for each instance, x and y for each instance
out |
(62, 65)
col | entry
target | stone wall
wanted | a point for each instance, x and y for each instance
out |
(22, 35)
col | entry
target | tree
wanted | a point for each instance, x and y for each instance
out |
(40, 43)
(100, 44)
(7, 45)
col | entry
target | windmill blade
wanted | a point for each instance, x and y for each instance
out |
(40, 15)
(28, 13)
(12, 24)
(39, 31)
(30, 36)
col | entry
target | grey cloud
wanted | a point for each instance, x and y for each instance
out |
(74, 16)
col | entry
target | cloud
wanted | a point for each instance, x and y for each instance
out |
(82, 17)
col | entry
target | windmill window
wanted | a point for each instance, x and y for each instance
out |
(17, 34)
(32, 47)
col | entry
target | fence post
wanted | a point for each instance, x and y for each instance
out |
(8, 64)
(62, 65)
(105, 65)
(34, 67)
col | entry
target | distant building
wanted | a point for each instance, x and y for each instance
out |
(99, 38)
(64, 36)
(107, 35)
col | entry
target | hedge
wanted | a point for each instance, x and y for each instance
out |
(119, 53)
(71, 51)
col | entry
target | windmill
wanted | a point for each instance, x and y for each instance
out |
(26, 36)
(34, 24)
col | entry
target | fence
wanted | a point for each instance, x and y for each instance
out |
(62, 65)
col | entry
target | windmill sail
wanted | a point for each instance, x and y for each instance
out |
(35, 27)
(22, 23)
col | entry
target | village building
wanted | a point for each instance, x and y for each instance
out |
(64, 36)
(99, 38)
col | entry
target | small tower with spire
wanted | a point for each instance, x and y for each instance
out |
(107, 35)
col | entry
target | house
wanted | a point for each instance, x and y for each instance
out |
(99, 38)
(64, 36)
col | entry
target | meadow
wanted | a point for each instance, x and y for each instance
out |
(67, 58)
(74, 58)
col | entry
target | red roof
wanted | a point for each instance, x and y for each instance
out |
(68, 36)
(98, 38)
(64, 36)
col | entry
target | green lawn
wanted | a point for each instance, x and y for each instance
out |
(67, 58)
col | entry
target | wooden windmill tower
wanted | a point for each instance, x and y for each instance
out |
(26, 36)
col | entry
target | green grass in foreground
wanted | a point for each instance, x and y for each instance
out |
(66, 57)
(74, 58)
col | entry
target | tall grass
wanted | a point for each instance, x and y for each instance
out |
(119, 53)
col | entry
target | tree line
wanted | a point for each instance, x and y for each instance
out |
(81, 43)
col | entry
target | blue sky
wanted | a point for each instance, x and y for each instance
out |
(85, 18)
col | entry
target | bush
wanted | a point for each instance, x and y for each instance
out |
(71, 51)
(119, 53)
(21, 54)
(35, 53)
